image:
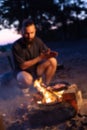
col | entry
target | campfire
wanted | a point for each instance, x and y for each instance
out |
(52, 105)
(49, 96)
(58, 93)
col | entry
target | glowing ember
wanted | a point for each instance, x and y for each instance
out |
(49, 96)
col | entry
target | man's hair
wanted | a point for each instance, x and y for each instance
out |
(27, 22)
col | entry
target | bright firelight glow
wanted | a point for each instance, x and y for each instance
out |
(48, 95)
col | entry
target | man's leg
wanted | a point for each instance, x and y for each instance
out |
(48, 68)
(25, 79)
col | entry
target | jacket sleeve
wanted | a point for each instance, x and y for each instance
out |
(17, 55)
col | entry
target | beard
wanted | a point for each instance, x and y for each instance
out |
(29, 41)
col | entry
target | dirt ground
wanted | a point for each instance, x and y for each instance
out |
(73, 57)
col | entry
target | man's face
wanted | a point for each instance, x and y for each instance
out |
(29, 32)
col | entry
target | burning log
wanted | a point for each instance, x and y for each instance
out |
(48, 96)
(73, 96)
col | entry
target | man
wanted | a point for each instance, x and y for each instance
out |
(32, 57)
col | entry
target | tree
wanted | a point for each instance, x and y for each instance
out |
(18, 10)
(14, 10)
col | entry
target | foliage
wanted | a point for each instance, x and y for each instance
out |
(45, 13)
(13, 10)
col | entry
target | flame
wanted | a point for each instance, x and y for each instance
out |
(59, 93)
(48, 96)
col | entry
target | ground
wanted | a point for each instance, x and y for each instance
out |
(73, 57)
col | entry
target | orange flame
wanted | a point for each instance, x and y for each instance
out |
(48, 96)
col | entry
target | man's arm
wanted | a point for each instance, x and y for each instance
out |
(23, 64)
(43, 56)
(30, 63)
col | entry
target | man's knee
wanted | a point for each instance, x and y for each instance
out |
(24, 78)
(53, 61)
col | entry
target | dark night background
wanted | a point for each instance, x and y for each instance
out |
(56, 20)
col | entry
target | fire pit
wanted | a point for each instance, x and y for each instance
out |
(51, 105)
(54, 104)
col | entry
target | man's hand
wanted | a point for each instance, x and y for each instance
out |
(48, 54)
